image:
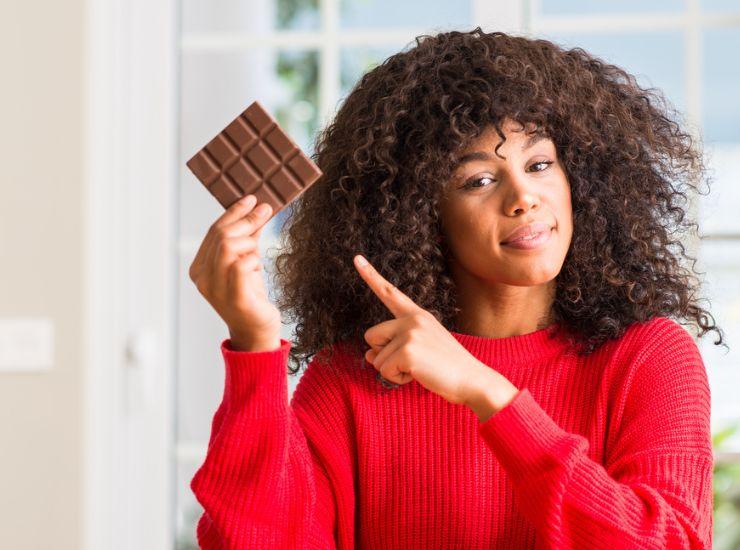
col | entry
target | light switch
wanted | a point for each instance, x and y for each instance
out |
(26, 344)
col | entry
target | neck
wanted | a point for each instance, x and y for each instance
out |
(502, 311)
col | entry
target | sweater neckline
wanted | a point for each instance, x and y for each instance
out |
(521, 348)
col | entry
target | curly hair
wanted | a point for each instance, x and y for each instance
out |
(392, 146)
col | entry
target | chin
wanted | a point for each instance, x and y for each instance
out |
(524, 277)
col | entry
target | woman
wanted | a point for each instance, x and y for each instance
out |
(504, 372)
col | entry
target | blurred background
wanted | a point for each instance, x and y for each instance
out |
(110, 367)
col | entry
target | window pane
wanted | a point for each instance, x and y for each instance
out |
(215, 88)
(428, 14)
(716, 6)
(356, 61)
(718, 209)
(656, 58)
(589, 7)
(721, 262)
(298, 14)
(721, 85)
(249, 15)
(721, 128)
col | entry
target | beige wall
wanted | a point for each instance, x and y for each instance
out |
(41, 268)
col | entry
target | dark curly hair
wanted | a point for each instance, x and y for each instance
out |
(393, 144)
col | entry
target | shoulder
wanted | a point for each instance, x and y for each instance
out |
(659, 336)
(652, 355)
(660, 395)
(661, 355)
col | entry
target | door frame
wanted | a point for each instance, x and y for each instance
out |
(129, 312)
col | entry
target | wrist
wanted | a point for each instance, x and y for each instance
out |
(491, 392)
(253, 343)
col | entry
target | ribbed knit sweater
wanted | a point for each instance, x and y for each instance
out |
(612, 450)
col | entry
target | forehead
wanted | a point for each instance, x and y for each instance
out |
(514, 131)
(518, 138)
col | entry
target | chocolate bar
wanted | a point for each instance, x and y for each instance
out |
(253, 155)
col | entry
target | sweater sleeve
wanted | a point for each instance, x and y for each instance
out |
(655, 487)
(277, 475)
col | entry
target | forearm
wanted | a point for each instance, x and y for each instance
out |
(655, 498)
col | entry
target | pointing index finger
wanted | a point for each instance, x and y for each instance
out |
(396, 301)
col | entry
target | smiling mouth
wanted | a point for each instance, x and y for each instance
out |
(527, 238)
(530, 242)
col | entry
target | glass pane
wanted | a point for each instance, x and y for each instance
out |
(718, 210)
(249, 15)
(215, 88)
(188, 509)
(721, 262)
(427, 14)
(589, 7)
(716, 6)
(721, 85)
(356, 61)
(721, 128)
(656, 58)
(298, 14)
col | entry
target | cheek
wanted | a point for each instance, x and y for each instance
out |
(468, 226)
(567, 214)
(564, 228)
(455, 218)
(466, 236)
(563, 204)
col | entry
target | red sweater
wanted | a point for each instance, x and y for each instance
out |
(610, 451)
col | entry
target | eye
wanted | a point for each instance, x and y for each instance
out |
(545, 162)
(470, 184)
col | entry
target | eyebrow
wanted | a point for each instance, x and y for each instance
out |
(482, 155)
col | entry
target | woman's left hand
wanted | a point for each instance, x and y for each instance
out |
(415, 346)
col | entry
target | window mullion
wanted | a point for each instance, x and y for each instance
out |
(329, 72)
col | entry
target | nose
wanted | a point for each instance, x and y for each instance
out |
(521, 195)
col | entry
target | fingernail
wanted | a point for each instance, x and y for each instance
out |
(361, 260)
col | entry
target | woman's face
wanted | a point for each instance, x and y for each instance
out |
(488, 197)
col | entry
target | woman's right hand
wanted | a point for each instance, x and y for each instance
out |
(227, 271)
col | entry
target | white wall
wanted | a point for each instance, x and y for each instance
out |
(41, 268)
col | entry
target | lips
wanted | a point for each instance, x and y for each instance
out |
(527, 231)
